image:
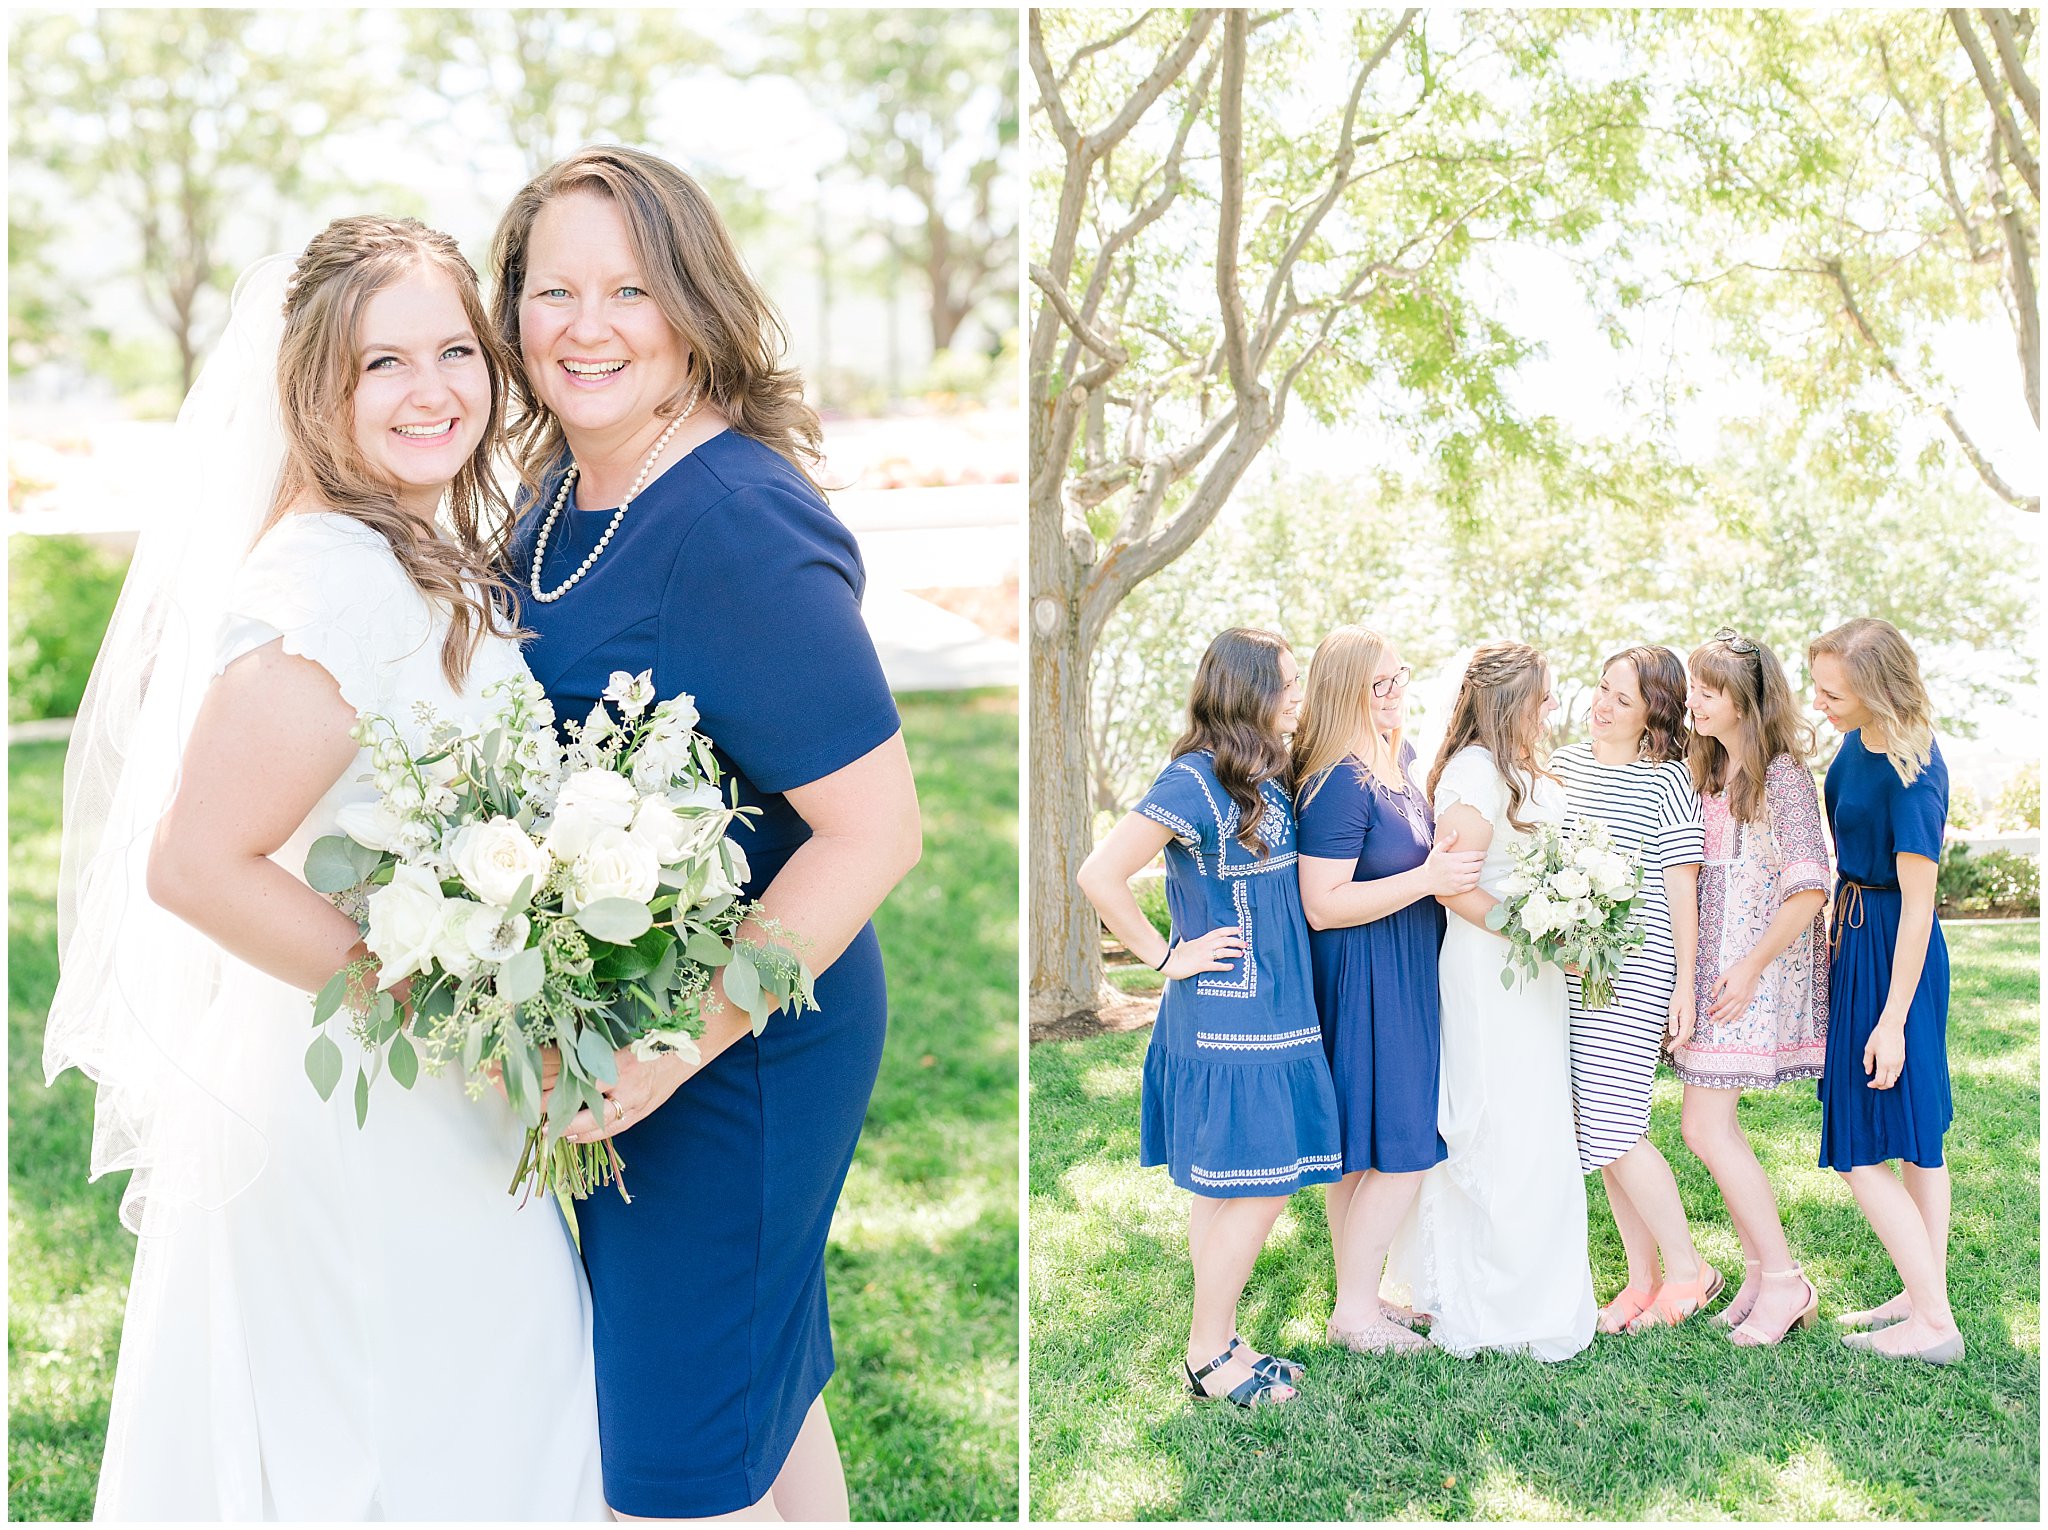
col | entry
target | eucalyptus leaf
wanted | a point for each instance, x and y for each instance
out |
(707, 949)
(619, 920)
(330, 868)
(404, 1061)
(522, 975)
(323, 1065)
(362, 1098)
(742, 982)
(597, 1056)
(330, 996)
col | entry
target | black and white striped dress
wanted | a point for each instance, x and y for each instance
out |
(1654, 814)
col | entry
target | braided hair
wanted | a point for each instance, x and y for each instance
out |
(1500, 708)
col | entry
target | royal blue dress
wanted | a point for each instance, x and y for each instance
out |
(1376, 987)
(1876, 817)
(1236, 1097)
(730, 579)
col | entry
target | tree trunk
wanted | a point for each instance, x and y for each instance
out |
(1066, 935)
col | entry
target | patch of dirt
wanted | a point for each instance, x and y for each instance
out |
(1121, 1012)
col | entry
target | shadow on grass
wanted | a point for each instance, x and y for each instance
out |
(1677, 1424)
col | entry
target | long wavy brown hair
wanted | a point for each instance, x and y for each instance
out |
(1233, 711)
(343, 267)
(734, 336)
(1767, 725)
(1660, 675)
(1338, 709)
(1885, 674)
(1500, 708)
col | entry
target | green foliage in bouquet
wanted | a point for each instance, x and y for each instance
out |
(548, 905)
(1571, 900)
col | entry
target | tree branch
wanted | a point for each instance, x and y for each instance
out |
(1230, 209)
(1097, 342)
(1977, 460)
(1089, 49)
(2012, 62)
(1994, 96)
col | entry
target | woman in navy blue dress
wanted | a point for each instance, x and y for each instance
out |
(673, 528)
(1369, 883)
(1884, 1089)
(1237, 1103)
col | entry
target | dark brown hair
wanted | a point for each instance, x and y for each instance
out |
(1768, 724)
(1660, 674)
(343, 267)
(1231, 712)
(692, 269)
(1500, 708)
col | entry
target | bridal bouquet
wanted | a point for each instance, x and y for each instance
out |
(579, 898)
(1570, 900)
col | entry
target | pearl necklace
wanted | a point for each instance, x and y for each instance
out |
(540, 544)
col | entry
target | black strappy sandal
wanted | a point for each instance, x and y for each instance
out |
(1256, 1390)
(1274, 1367)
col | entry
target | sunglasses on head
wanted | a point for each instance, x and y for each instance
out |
(1736, 643)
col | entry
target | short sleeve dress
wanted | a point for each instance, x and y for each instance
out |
(1876, 818)
(1236, 1095)
(1750, 869)
(731, 579)
(1651, 809)
(291, 1349)
(1376, 983)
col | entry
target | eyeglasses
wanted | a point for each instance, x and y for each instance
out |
(1736, 644)
(1397, 681)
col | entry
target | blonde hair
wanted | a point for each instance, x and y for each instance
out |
(693, 271)
(1338, 707)
(1499, 708)
(1885, 675)
(343, 267)
(1767, 724)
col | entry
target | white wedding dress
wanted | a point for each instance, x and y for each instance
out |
(1495, 1244)
(360, 1324)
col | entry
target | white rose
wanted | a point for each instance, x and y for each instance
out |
(1516, 883)
(451, 947)
(590, 801)
(613, 865)
(1571, 883)
(1587, 856)
(662, 830)
(1539, 916)
(631, 694)
(1612, 876)
(493, 858)
(405, 923)
(370, 823)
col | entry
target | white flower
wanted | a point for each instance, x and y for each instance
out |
(416, 841)
(1612, 875)
(1539, 916)
(451, 946)
(496, 936)
(678, 713)
(1581, 911)
(660, 1043)
(1516, 883)
(405, 924)
(598, 726)
(662, 830)
(370, 823)
(493, 858)
(1571, 883)
(612, 865)
(1587, 856)
(631, 694)
(659, 759)
(719, 885)
(590, 801)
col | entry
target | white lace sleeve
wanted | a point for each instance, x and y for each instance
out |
(333, 592)
(1470, 777)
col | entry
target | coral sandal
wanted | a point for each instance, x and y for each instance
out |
(1677, 1300)
(1619, 1315)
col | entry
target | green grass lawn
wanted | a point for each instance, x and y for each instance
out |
(922, 1266)
(1670, 1425)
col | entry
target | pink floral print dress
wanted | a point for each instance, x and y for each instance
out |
(1750, 869)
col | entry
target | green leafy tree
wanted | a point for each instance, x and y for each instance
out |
(2019, 800)
(1222, 238)
(928, 102)
(1849, 183)
(551, 79)
(170, 123)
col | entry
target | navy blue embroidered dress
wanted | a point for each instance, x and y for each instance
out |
(1237, 1097)
(731, 579)
(1376, 983)
(1875, 817)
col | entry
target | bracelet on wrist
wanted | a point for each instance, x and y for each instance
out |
(1161, 967)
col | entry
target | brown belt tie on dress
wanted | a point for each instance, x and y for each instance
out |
(1848, 912)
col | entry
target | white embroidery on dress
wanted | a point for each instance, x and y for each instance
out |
(1218, 985)
(1258, 1041)
(1279, 1174)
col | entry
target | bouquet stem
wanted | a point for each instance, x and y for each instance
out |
(1596, 992)
(576, 1168)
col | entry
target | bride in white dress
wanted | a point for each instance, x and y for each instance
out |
(324, 1322)
(1494, 1249)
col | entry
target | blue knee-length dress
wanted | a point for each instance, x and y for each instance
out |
(1236, 1097)
(1376, 983)
(1875, 817)
(730, 579)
